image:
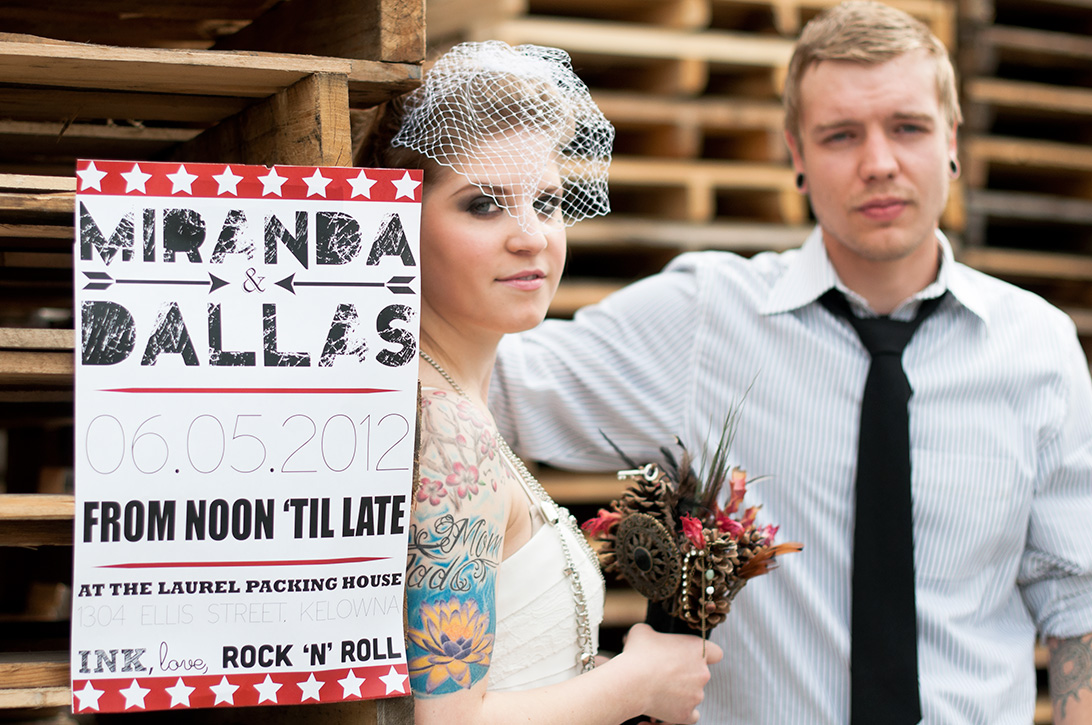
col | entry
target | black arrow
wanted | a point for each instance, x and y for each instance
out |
(104, 281)
(397, 285)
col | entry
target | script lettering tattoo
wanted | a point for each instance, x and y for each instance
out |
(450, 553)
(1070, 670)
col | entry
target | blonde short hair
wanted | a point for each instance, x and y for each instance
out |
(867, 32)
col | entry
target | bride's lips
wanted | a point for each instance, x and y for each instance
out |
(883, 209)
(526, 280)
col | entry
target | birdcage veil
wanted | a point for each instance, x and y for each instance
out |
(520, 114)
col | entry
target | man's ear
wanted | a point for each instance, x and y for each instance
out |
(797, 162)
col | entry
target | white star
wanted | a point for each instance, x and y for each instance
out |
(89, 696)
(406, 186)
(182, 180)
(272, 182)
(351, 684)
(135, 179)
(316, 184)
(180, 693)
(310, 688)
(91, 177)
(394, 681)
(227, 181)
(362, 186)
(225, 691)
(267, 690)
(134, 695)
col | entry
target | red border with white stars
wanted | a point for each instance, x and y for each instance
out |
(161, 179)
(239, 690)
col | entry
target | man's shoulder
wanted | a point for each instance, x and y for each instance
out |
(1008, 304)
(718, 266)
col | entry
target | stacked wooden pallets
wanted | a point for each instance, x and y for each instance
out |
(237, 81)
(1027, 88)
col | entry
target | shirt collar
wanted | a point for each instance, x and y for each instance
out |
(809, 273)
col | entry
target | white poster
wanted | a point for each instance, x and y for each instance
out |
(246, 380)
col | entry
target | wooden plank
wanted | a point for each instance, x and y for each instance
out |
(16, 338)
(306, 124)
(1029, 152)
(131, 22)
(385, 30)
(69, 104)
(36, 231)
(569, 488)
(1045, 45)
(36, 260)
(36, 507)
(1026, 264)
(1029, 96)
(34, 697)
(619, 39)
(34, 669)
(449, 21)
(198, 72)
(36, 368)
(37, 205)
(1029, 207)
(708, 113)
(620, 230)
(680, 14)
(24, 182)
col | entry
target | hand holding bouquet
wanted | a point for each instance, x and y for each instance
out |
(671, 540)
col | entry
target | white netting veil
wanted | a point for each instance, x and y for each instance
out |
(515, 122)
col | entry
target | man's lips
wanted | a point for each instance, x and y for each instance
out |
(883, 209)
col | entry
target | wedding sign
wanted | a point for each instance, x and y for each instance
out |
(246, 380)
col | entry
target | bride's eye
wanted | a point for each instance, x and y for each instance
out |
(547, 205)
(483, 206)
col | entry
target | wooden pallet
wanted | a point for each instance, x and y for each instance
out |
(710, 127)
(655, 59)
(380, 30)
(294, 109)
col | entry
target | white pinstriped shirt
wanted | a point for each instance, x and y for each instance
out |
(1001, 439)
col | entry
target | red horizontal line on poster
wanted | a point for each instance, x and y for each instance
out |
(207, 564)
(239, 181)
(248, 391)
(133, 694)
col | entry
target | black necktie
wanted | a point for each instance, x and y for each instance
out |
(884, 644)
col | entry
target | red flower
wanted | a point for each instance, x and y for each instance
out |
(602, 523)
(729, 525)
(739, 489)
(692, 529)
(749, 517)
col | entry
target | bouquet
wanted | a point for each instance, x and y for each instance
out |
(670, 539)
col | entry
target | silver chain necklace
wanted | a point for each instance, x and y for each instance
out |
(555, 515)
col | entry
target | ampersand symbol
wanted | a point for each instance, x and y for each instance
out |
(257, 281)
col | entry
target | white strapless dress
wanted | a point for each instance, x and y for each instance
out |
(536, 640)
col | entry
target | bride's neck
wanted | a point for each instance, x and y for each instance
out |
(468, 363)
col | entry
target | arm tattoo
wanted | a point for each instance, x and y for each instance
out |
(1070, 670)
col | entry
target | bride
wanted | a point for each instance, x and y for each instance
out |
(504, 595)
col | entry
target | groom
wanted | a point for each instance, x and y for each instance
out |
(1000, 416)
